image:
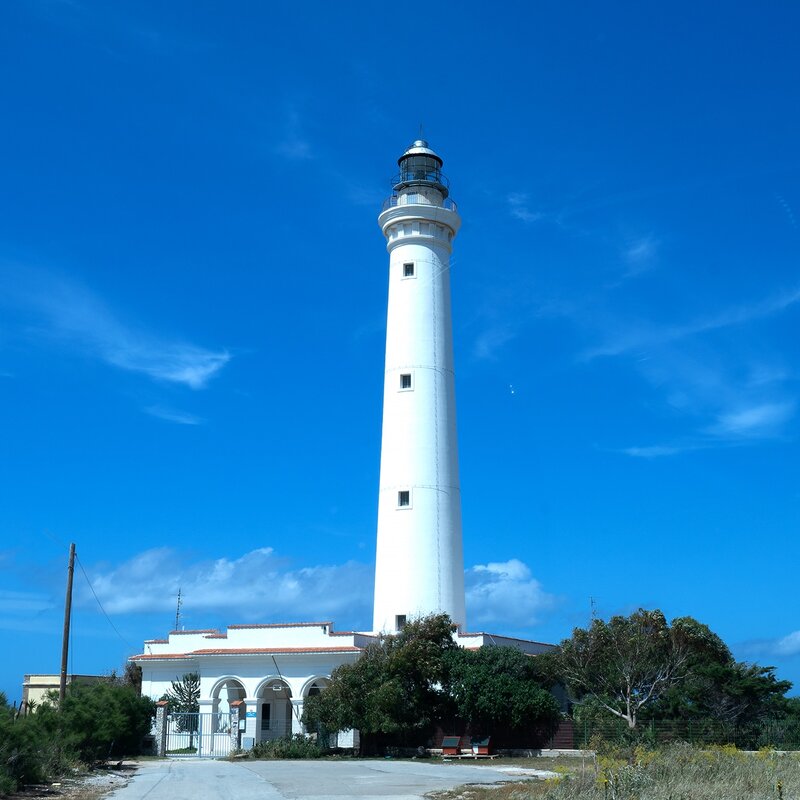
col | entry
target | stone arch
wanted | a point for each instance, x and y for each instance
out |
(225, 691)
(274, 709)
(271, 680)
(317, 682)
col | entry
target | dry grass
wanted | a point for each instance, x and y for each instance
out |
(678, 772)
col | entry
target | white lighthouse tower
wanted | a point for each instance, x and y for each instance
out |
(419, 566)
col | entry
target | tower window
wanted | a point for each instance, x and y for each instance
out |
(404, 498)
(405, 380)
(408, 270)
(399, 622)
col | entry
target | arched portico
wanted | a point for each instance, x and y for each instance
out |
(225, 691)
(315, 685)
(274, 709)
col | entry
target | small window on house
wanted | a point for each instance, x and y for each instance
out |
(403, 498)
(405, 380)
(408, 270)
(399, 622)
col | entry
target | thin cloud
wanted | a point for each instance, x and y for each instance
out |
(783, 647)
(25, 611)
(656, 451)
(72, 316)
(294, 145)
(756, 420)
(506, 593)
(639, 256)
(646, 336)
(173, 415)
(519, 208)
(491, 340)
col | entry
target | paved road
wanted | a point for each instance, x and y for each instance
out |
(298, 780)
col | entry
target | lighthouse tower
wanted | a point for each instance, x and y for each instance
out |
(419, 566)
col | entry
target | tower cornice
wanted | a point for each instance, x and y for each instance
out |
(419, 212)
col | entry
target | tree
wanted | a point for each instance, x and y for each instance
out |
(629, 663)
(394, 689)
(184, 702)
(498, 689)
(729, 692)
(104, 719)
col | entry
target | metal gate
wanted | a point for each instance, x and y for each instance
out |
(194, 735)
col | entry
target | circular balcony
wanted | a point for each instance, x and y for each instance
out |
(416, 199)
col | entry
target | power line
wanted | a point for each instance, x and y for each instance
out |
(122, 638)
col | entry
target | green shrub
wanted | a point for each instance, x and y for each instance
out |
(94, 723)
(30, 751)
(104, 720)
(287, 747)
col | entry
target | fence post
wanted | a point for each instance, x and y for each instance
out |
(162, 708)
(237, 712)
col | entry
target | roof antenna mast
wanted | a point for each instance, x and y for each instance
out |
(178, 611)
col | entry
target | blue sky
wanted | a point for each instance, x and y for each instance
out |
(193, 289)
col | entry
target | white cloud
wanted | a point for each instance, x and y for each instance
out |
(788, 645)
(504, 593)
(756, 420)
(173, 415)
(74, 317)
(257, 585)
(639, 255)
(640, 250)
(655, 451)
(260, 585)
(294, 146)
(639, 337)
(491, 340)
(24, 602)
(518, 206)
(26, 611)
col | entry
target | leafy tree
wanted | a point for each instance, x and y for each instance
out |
(729, 692)
(93, 722)
(498, 689)
(104, 720)
(394, 689)
(629, 663)
(184, 702)
(131, 676)
(184, 696)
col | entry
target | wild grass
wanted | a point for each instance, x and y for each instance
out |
(675, 772)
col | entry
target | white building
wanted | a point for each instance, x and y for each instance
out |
(266, 672)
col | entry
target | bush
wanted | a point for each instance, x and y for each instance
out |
(29, 748)
(104, 720)
(95, 722)
(287, 747)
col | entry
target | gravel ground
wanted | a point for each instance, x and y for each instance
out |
(89, 786)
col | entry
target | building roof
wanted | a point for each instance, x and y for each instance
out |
(244, 651)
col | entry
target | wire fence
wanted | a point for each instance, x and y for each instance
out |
(780, 734)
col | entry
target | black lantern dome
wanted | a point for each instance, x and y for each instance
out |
(420, 166)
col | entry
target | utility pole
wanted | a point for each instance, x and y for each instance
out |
(62, 689)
